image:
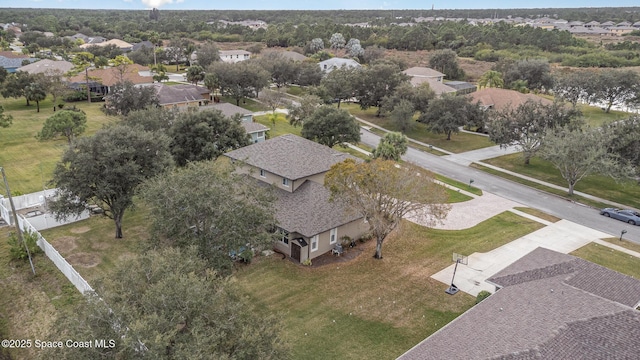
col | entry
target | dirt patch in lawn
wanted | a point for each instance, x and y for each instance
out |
(65, 244)
(103, 245)
(80, 230)
(86, 260)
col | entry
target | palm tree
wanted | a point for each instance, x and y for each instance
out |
(491, 79)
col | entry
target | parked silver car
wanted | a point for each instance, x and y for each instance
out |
(629, 216)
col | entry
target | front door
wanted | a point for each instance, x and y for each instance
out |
(295, 251)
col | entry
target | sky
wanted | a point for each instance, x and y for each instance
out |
(310, 4)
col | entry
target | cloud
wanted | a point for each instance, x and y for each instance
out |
(156, 3)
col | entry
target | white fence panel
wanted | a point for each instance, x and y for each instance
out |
(78, 281)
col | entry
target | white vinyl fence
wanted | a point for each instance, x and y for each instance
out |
(81, 284)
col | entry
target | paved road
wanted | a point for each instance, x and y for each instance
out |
(513, 191)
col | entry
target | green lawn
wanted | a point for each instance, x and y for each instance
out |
(373, 309)
(281, 126)
(624, 243)
(28, 162)
(29, 303)
(460, 142)
(595, 117)
(537, 213)
(609, 258)
(246, 103)
(627, 192)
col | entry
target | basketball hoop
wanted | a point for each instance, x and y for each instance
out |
(458, 259)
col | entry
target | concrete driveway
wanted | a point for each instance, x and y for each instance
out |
(563, 236)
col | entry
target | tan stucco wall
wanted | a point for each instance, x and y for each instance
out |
(353, 229)
(317, 178)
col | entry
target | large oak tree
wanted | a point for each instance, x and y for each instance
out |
(384, 192)
(106, 169)
(331, 126)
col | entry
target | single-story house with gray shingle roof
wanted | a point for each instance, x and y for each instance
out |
(335, 63)
(309, 224)
(256, 130)
(47, 66)
(549, 306)
(181, 96)
(11, 64)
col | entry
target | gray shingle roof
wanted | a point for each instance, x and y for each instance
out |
(12, 63)
(229, 110)
(45, 65)
(552, 306)
(308, 211)
(289, 156)
(252, 127)
(177, 94)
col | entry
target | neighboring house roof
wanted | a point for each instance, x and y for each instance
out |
(291, 55)
(110, 76)
(117, 42)
(336, 63)
(168, 95)
(13, 55)
(423, 72)
(289, 156)
(500, 99)
(308, 210)
(233, 52)
(137, 46)
(461, 85)
(438, 87)
(551, 306)
(47, 65)
(13, 63)
(253, 127)
(229, 110)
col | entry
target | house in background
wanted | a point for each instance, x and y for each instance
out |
(335, 63)
(12, 61)
(120, 44)
(234, 56)
(549, 306)
(309, 224)
(46, 66)
(500, 99)
(104, 79)
(182, 97)
(419, 75)
(256, 130)
(290, 55)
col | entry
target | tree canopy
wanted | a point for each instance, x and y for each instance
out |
(391, 147)
(68, 123)
(207, 205)
(331, 126)
(5, 119)
(383, 193)
(167, 305)
(446, 114)
(205, 135)
(126, 97)
(106, 169)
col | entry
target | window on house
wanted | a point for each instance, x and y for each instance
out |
(333, 237)
(285, 182)
(262, 173)
(261, 134)
(284, 236)
(314, 243)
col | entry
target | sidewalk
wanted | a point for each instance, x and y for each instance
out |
(476, 156)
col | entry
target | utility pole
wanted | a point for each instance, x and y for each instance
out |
(15, 219)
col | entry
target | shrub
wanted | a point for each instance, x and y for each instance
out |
(16, 248)
(365, 237)
(306, 262)
(246, 255)
(482, 295)
(345, 241)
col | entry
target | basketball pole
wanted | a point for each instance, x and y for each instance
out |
(452, 290)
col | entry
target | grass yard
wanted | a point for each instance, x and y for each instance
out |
(246, 103)
(537, 213)
(373, 309)
(595, 117)
(30, 304)
(627, 192)
(28, 162)
(460, 142)
(458, 184)
(281, 126)
(624, 243)
(610, 258)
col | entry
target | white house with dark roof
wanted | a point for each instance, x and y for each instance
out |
(549, 306)
(310, 225)
(419, 75)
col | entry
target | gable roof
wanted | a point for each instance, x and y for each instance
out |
(423, 72)
(500, 99)
(289, 156)
(551, 305)
(438, 87)
(121, 44)
(229, 110)
(308, 210)
(46, 65)
(13, 63)
(110, 76)
(13, 55)
(333, 63)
